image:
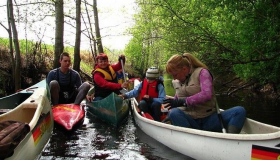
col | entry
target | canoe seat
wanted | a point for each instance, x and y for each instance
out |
(11, 134)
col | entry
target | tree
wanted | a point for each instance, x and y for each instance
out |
(77, 58)
(59, 30)
(97, 30)
(17, 69)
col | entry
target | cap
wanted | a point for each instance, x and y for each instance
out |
(102, 56)
(152, 73)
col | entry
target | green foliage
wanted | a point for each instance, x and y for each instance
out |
(229, 36)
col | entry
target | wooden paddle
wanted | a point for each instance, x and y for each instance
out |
(123, 91)
(220, 118)
(146, 115)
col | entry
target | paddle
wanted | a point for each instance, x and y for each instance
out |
(146, 115)
(123, 91)
(220, 118)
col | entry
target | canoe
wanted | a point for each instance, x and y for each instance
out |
(68, 115)
(29, 111)
(256, 140)
(111, 109)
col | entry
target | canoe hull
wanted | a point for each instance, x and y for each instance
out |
(36, 112)
(256, 140)
(68, 115)
(111, 109)
(209, 145)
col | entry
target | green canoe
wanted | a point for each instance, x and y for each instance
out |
(111, 109)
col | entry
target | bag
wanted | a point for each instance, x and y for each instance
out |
(11, 134)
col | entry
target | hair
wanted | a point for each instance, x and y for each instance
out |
(64, 54)
(102, 56)
(177, 62)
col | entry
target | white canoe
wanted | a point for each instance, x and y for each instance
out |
(36, 112)
(256, 140)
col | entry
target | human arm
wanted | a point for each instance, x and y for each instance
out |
(118, 66)
(103, 83)
(76, 78)
(206, 86)
(50, 77)
(133, 93)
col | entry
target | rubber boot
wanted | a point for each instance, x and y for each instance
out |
(233, 129)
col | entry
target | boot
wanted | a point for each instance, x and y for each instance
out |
(233, 129)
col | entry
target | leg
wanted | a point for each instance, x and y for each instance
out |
(54, 90)
(82, 92)
(179, 118)
(234, 119)
(143, 106)
(156, 112)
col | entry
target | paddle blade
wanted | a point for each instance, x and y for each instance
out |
(147, 115)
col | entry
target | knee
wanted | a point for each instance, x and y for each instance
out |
(86, 85)
(241, 110)
(156, 105)
(173, 112)
(54, 85)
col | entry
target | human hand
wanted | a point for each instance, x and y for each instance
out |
(147, 98)
(125, 85)
(122, 96)
(90, 97)
(173, 103)
(121, 57)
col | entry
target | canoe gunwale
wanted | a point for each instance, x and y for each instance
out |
(241, 137)
(113, 117)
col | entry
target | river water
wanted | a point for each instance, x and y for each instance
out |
(95, 139)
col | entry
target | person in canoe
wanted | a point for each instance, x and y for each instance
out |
(194, 103)
(152, 94)
(65, 83)
(104, 77)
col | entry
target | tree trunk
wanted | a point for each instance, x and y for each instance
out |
(91, 35)
(13, 64)
(11, 20)
(59, 24)
(97, 30)
(77, 58)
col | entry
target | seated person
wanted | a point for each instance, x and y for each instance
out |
(152, 94)
(105, 78)
(194, 104)
(66, 84)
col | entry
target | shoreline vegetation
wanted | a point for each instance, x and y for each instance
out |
(37, 62)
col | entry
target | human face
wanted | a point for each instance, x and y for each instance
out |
(65, 62)
(180, 74)
(102, 63)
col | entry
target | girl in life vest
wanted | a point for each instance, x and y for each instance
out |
(152, 93)
(104, 77)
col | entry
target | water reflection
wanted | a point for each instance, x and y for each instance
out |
(96, 139)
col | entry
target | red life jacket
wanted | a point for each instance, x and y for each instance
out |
(149, 89)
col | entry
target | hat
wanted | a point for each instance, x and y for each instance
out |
(102, 56)
(152, 73)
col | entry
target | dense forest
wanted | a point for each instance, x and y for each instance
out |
(237, 40)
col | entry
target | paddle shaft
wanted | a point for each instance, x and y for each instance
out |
(123, 91)
(220, 118)
(123, 70)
